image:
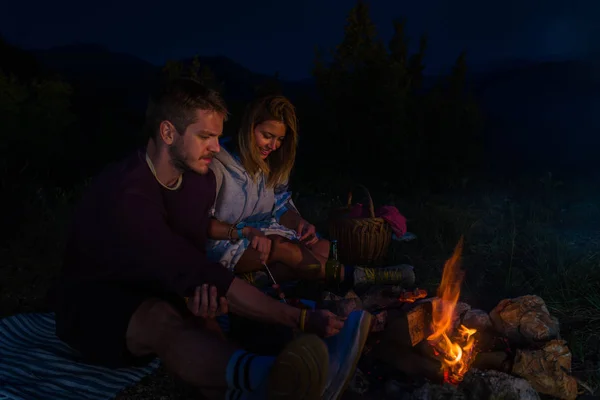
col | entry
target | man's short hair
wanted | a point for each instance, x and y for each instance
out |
(176, 101)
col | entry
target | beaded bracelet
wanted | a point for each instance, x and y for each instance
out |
(230, 232)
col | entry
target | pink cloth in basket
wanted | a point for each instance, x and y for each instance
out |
(389, 213)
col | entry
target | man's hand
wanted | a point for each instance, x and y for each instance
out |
(324, 323)
(307, 232)
(205, 303)
(259, 242)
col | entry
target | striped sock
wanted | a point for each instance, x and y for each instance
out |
(247, 371)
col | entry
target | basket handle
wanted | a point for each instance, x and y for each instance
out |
(369, 198)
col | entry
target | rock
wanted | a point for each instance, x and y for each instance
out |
(479, 385)
(329, 296)
(380, 296)
(460, 311)
(431, 391)
(395, 390)
(379, 322)
(359, 383)
(525, 319)
(351, 295)
(496, 385)
(548, 369)
(344, 307)
(477, 319)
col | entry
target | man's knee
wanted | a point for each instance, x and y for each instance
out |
(152, 320)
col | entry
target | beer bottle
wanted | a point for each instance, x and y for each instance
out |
(334, 250)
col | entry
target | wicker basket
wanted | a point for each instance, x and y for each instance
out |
(361, 241)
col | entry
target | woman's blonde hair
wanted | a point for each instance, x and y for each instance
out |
(278, 166)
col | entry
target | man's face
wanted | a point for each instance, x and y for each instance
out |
(195, 148)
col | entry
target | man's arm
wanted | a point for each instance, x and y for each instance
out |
(247, 301)
(152, 252)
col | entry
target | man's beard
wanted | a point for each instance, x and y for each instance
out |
(177, 158)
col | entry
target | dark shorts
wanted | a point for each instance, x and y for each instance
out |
(93, 319)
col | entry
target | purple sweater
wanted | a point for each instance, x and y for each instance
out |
(130, 230)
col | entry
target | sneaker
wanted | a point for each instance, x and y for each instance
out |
(345, 350)
(403, 275)
(300, 370)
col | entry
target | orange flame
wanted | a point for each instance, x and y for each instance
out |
(456, 356)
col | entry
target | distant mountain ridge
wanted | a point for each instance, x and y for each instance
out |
(534, 111)
(115, 70)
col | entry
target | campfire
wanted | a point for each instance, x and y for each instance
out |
(455, 351)
(439, 347)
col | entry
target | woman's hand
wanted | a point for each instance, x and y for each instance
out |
(307, 232)
(259, 242)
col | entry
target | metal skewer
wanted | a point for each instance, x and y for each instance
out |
(274, 282)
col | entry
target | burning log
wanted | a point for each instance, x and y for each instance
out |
(384, 297)
(457, 355)
(398, 345)
(407, 360)
(409, 327)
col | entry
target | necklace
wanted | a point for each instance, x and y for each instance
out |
(151, 166)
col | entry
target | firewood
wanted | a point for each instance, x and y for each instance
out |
(408, 361)
(410, 326)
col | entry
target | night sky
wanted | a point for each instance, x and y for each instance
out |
(268, 36)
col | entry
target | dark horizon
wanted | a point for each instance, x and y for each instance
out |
(268, 38)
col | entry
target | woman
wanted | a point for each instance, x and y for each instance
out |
(253, 204)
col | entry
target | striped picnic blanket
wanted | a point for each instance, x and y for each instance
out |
(35, 364)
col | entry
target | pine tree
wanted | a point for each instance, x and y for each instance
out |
(172, 70)
(360, 45)
(399, 43)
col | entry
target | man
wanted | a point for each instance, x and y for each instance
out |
(136, 251)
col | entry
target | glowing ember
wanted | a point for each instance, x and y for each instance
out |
(412, 296)
(457, 355)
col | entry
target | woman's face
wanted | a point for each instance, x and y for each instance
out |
(269, 135)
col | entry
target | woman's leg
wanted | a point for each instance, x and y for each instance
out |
(292, 260)
(321, 248)
(300, 261)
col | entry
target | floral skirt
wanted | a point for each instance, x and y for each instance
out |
(228, 253)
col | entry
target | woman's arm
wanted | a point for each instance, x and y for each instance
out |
(285, 210)
(219, 230)
(290, 219)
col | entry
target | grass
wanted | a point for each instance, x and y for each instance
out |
(534, 238)
(537, 237)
